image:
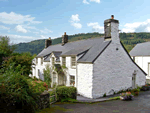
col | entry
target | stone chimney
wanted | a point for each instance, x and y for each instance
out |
(64, 38)
(48, 42)
(111, 29)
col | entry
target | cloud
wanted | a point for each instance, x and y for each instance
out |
(85, 2)
(45, 31)
(75, 21)
(75, 18)
(96, 27)
(43, 37)
(137, 27)
(97, 1)
(14, 18)
(77, 25)
(19, 28)
(4, 27)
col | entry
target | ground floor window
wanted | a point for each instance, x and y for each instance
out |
(72, 80)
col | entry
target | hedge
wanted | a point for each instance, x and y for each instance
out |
(64, 92)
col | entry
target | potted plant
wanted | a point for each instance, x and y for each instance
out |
(135, 92)
(126, 96)
(145, 88)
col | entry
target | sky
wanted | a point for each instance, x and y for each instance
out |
(28, 20)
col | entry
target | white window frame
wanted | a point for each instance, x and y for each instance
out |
(73, 61)
(53, 60)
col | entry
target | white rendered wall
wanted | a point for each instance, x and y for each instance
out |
(143, 61)
(113, 70)
(85, 79)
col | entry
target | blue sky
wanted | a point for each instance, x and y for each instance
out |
(27, 20)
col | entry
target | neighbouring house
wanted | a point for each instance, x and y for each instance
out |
(95, 66)
(141, 55)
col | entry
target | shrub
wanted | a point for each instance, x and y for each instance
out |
(145, 88)
(64, 92)
(135, 92)
(15, 91)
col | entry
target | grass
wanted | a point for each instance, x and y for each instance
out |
(115, 98)
(53, 109)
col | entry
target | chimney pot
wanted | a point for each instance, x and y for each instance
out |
(112, 16)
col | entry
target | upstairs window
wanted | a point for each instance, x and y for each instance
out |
(53, 60)
(64, 61)
(41, 61)
(73, 61)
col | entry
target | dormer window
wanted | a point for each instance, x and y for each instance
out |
(36, 60)
(64, 61)
(73, 61)
(53, 60)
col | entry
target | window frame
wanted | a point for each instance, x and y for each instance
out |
(73, 80)
(64, 61)
(41, 61)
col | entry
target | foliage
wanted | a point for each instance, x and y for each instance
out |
(15, 89)
(47, 76)
(126, 96)
(128, 39)
(24, 60)
(64, 92)
(5, 48)
(115, 98)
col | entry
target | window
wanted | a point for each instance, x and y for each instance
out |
(73, 61)
(54, 77)
(36, 60)
(41, 61)
(72, 80)
(53, 60)
(64, 61)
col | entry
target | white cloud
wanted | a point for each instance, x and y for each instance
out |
(77, 25)
(4, 27)
(14, 18)
(96, 27)
(75, 21)
(85, 2)
(75, 18)
(137, 27)
(19, 28)
(97, 1)
(45, 31)
(43, 37)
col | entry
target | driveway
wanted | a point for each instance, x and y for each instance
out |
(140, 104)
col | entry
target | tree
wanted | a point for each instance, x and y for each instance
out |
(47, 76)
(5, 48)
(23, 59)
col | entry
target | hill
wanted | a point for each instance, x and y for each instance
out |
(128, 39)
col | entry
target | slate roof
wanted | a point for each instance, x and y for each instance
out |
(92, 47)
(141, 49)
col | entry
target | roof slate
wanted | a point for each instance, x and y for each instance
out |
(93, 48)
(141, 49)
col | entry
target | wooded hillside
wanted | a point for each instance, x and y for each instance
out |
(128, 39)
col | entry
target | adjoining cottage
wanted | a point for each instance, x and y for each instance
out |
(141, 55)
(95, 66)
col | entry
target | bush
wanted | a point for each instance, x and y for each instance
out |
(15, 91)
(145, 88)
(64, 92)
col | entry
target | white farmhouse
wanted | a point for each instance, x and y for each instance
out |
(141, 55)
(95, 66)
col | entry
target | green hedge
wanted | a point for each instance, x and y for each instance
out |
(64, 92)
